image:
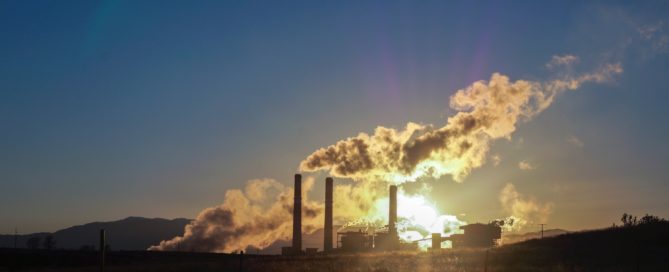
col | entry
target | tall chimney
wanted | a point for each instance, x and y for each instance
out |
(327, 236)
(392, 216)
(297, 215)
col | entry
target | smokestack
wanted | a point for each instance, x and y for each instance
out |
(327, 238)
(297, 215)
(392, 216)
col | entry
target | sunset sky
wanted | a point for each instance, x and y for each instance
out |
(111, 109)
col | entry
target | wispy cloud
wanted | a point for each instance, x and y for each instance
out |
(496, 159)
(525, 165)
(564, 60)
(654, 34)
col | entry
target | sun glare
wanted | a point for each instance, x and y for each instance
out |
(418, 218)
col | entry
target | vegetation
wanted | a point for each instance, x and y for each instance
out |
(630, 221)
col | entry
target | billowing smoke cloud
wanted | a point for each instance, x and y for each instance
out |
(257, 216)
(523, 210)
(488, 110)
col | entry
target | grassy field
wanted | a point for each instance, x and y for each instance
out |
(638, 248)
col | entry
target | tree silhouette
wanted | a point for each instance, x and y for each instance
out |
(49, 242)
(33, 242)
(630, 221)
(650, 219)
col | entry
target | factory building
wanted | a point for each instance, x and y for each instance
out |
(475, 235)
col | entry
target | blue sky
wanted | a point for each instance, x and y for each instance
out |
(156, 108)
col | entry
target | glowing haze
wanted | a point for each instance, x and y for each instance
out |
(487, 110)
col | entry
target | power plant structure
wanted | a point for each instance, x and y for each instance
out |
(327, 227)
(475, 235)
(387, 239)
(297, 216)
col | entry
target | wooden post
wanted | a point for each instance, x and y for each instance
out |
(102, 250)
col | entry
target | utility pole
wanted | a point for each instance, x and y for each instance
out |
(103, 248)
(16, 237)
(542, 230)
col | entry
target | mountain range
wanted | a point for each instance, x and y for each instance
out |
(132, 233)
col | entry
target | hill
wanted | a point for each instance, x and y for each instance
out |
(132, 233)
(512, 238)
(640, 247)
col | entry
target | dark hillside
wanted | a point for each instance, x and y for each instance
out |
(643, 247)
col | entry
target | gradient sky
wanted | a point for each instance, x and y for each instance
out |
(111, 109)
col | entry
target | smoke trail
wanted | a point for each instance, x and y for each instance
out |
(488, 110)
(257, 216)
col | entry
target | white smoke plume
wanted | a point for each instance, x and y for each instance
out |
(262, 213)
(524, 210)
(257, 216)
(488, 110)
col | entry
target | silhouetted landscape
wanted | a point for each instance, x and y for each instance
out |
(363, 136)
(132, 233)
(640, 246)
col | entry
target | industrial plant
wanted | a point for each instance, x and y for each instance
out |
(386, 239)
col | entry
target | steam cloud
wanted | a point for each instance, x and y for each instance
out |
(257, 216)
(488, 110)
(262, 213)
(524, 210)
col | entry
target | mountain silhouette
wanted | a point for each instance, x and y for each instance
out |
(132, 233)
